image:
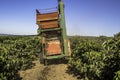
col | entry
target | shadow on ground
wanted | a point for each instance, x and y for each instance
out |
(74, 72)
(57, 61)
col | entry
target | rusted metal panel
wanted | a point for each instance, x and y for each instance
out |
(49, 20)
(69, 49)
(49, 24)
(48, 16)
(53, 47)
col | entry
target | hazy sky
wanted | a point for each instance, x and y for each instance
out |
(83, 17)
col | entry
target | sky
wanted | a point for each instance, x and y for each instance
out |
(83, 17)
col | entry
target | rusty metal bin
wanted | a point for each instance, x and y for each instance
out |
(53, 47)
(48, 20)
(52, 30)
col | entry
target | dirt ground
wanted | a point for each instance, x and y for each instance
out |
(52, 71)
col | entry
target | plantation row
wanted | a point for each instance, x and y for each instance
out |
(96, 59)
(93, 58)
(17, 53)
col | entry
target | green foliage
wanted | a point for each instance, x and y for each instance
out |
(112, 60)
(117, 35)
(92, 58)
(17, 53)
(7, 65)
(96, 59)
(117, 75)
(86, 59)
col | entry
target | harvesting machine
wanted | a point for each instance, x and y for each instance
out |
(52, 30)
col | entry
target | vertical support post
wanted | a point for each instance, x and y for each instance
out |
(63, 26)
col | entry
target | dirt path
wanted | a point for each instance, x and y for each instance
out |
(49, 72)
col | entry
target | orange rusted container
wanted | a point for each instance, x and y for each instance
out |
(52, 30)
(53, 47)
(48, 20)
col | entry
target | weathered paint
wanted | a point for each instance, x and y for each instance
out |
(53, 47)
(53, 24)
(63, 25)
(49, 20)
